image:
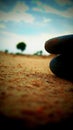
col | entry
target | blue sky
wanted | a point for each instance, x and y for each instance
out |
(33, 22)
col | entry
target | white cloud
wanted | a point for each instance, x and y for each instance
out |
(20, 7)
(64, 2)
(37, 9)
(17, 17)
(48, 9)
(17, 14)
(46, 20)
(2, 26)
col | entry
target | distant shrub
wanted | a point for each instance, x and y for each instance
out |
(6, 51)
(39, 52)
(18, 53)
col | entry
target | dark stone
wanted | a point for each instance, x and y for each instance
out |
(62, 66)
(60, 45)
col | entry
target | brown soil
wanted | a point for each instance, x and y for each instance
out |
(30, 92)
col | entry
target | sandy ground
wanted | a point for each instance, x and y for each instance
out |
(27, 84)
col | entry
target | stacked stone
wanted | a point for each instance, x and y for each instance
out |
(62, 64)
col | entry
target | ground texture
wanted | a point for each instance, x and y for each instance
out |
(31, 95)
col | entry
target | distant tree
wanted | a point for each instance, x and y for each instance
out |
(21, 46)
